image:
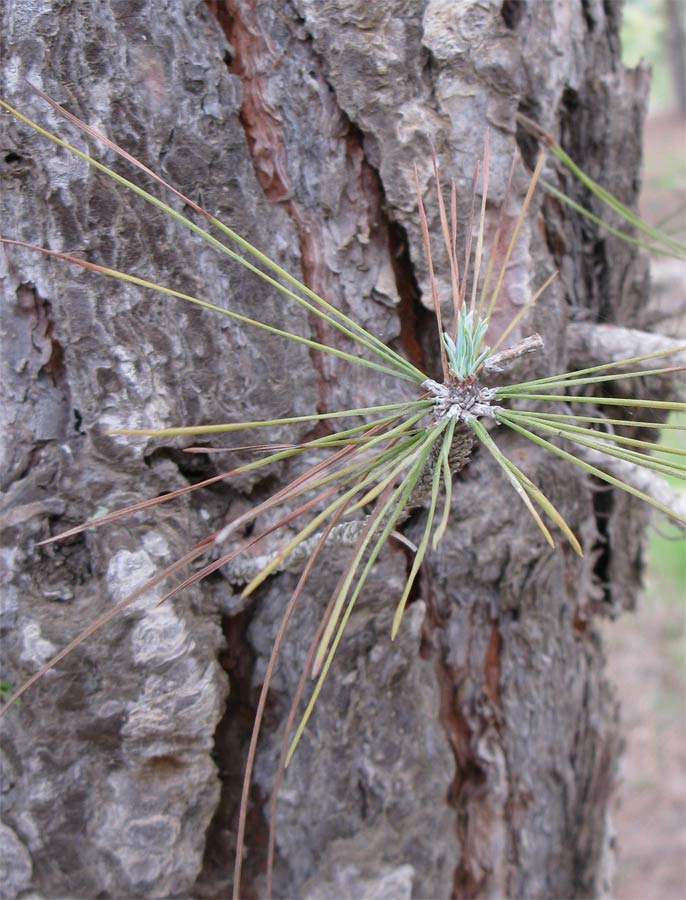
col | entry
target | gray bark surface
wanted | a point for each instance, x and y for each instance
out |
(475, 755)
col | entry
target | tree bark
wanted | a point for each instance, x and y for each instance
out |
(474, 756)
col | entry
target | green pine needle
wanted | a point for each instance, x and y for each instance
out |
(510, 419)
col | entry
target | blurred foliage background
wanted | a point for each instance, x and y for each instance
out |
(646, 650)
(654, 32)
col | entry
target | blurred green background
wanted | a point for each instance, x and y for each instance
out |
(653, 31)
(646, 649)
(644, 27)
(667, 547)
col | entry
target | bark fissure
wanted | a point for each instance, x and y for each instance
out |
(230, 742)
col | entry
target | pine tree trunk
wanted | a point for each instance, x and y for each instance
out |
(474, 756)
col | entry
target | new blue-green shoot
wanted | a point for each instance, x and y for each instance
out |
(464, 353)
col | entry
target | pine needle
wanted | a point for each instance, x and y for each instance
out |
(511, 422)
